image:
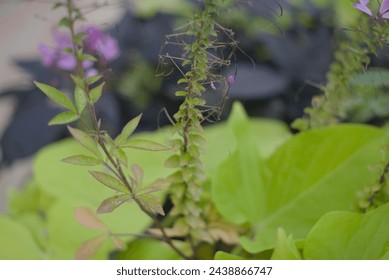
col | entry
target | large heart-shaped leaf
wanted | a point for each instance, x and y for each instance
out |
(350, 236)
(313, 173)
(16, 242)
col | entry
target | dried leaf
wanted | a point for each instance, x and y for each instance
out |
(113, 202)
(88, 218)
(109, 181)
(89, 248)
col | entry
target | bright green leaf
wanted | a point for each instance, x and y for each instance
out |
(223, 256)
(16, 242)
(285, 248)
(237, 186)
(128, 129)
(93, 79)
(81, 99)
(56, 95)
(342, 235)
(96, 92)
(82, 160)
(144, 144)
(148, 249)
(320, 170)
(109, 181)
(64, 118)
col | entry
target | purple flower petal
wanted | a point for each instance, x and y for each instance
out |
(94, 36)
(91, 72)
(62, 40)
(362, 6)
(230, 80)
(384, 10)
(87, 64)
(107, 48)
(66, 61)
(48, 55)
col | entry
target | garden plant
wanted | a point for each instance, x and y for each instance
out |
(246, 188)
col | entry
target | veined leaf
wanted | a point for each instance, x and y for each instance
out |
(343, 235)
(128, 129)
(85, 140)
(81, 99)
(56, 95)
(88, 218)
(82, 160)
(320, 170)
(90, 247)
(110, 204)
(96, 92)
(109, 181)
(151, 203)
(64, 118)
(93, 79)
(143, 144)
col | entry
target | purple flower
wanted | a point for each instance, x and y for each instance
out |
(56, 57)
(384, 9)
(96, 42)
(230, 80)
(102, 44)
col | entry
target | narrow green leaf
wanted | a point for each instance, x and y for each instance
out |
(151, 203)
(88, 57)
(182, 80)
(93, 79)
(173, 161)
(90, 247)
(88, 218)
(96, 92)
(56, 95)
(110, 204)
(109, 181)
(120, 155)
(77, 80)
(81, 99)
(143, 144)
(180, 93)
(128, 129)
(64, 118)
(65, 22)
(82, 160)
(85, 140)
(79, 38)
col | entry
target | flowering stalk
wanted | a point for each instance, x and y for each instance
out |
(105, 150)
(350, 59)
(187, 183)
